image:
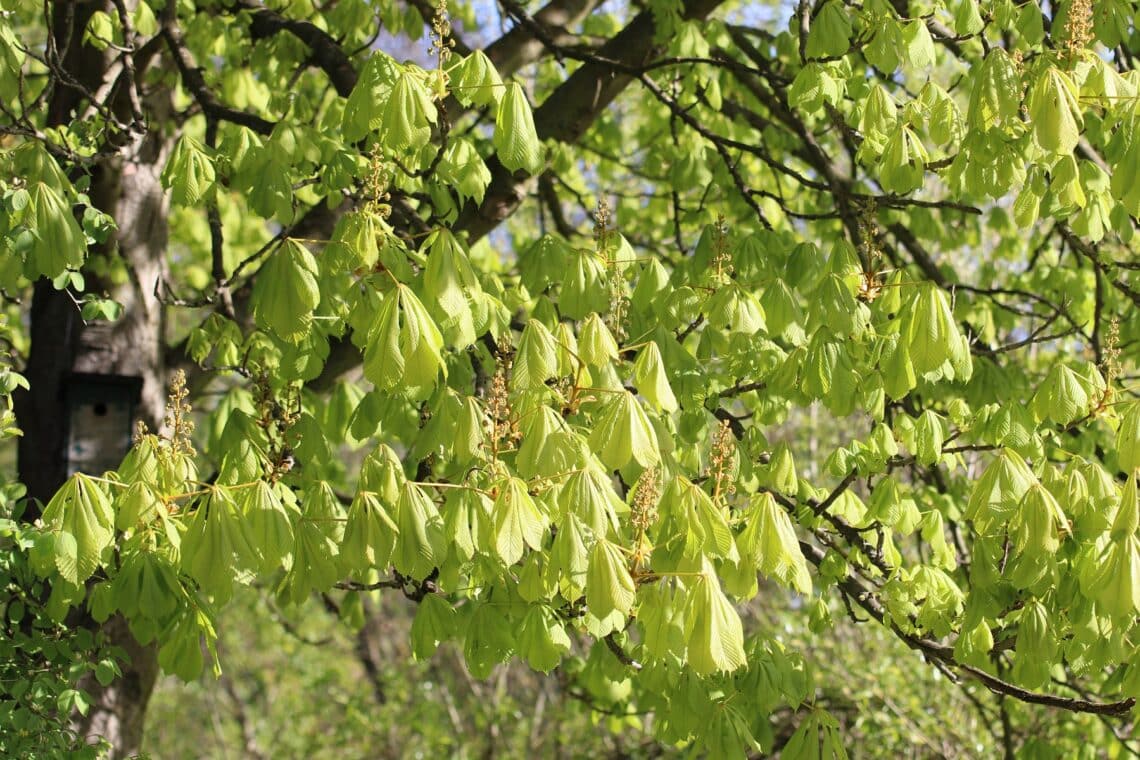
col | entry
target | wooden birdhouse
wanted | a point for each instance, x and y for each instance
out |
(100, 413)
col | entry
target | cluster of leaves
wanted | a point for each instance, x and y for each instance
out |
(41, 661)
(572, 453)
(39, 229)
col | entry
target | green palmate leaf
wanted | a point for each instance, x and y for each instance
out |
(476, 81)
(470, 436)
(768, 542)
(661, 616)
(270, 187)
(360, 233)
(146, 586)
(490, 639)
(813, 86)
(609, 587)
(830, 34)
(736, 309)
(934, 343)
(420, 539)
(518, 522)
(945, 123)
(382, 474)
(1000, 489)
(1128, 512)
(974, 646)
(215, 545)
(515, 139)
(590, 496)
(1066, 187)
(569, 361)
(364, 110)
(716, 636)
(144, 21)
(1128, 438)
(929, 433)
(1030, 24)
(596, 345)
(933, 532)
(314, 566)
(729, 735)
(100, 32)
(569, 557)
(691, 513)
(681, 529)
(285, 293)
(883, 50)
(189, 174)
(539, 453)
(80, 514)
(57, 241)
(369, 534)
(434, 623)
(536, 359)
(781, 471)
(266, 523)
(1036, 646)
(583, 286)
(897, 369)
(1124, 187)
(1039, 522)
(182, 652)
(1055, 112)
(464, 513)
(404, 344)
(781, 308)
(967, 18)
(451, 283)
(535, 583)
(918, 45)
(1116, 581)
(651, 380)
(1062, 398)
(878, 119)
(1028, 203)
(408, 114)
(996, 97)
(137, 503)
(542, 641)
(623, 434)
(463, 168)
(903, 162)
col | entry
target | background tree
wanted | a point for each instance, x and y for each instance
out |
(834, 299)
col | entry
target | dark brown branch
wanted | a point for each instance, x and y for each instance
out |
(941, 653)
(327, 54)
(196, 84)
(568, 112)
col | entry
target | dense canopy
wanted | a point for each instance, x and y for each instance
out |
(624, 339)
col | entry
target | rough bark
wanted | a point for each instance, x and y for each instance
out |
(131, 346)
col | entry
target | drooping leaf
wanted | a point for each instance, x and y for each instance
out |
(609, 587)
(286, 292)
(716, 635)
(515, 138)
(518, 521)
(623, 434)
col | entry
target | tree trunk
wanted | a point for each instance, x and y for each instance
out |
(127, 187)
